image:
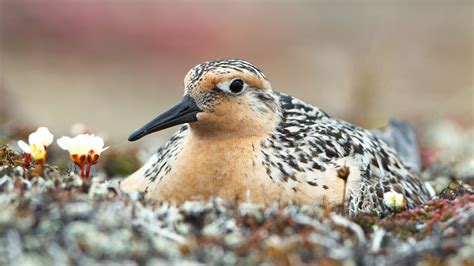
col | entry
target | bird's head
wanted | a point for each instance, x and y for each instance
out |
(225, 98)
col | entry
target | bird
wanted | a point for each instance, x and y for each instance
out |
(240, 140)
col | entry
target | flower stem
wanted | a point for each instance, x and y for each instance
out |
(27, 159)
(82, 171)
(88, 171)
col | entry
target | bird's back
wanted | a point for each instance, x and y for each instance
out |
(310, 146)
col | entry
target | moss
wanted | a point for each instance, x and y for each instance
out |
(10, 157)
(120, 163)
(3, 141)
(455, 190)
(422, 221)
(46, 208)
(366, 221)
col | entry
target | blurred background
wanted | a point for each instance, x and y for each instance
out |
(113, 65)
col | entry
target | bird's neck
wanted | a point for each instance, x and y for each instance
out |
(233, 130)
(216, 136)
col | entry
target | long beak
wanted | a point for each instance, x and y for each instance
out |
(183, 112)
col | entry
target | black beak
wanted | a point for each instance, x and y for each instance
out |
(183, 112)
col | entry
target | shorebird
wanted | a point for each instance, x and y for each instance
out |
(240, 140)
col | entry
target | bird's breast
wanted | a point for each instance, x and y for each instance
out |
(235, 169)
(229, 168)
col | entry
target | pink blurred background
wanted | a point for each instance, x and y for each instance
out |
(113, 65)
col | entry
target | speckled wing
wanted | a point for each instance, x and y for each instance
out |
(308, 144)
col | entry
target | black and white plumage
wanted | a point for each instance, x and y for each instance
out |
(253, 142)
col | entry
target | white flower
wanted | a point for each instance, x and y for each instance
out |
(83, 149)
(394, 200)
(38, 141)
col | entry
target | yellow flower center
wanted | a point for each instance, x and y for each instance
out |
(38, 153)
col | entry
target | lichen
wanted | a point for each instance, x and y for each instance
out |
(47, 216)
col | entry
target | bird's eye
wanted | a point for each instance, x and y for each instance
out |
(236, 86)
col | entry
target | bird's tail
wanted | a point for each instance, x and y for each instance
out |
(401, 136)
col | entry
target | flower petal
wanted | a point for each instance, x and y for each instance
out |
(97, 144)
(35, 138)
(41, 137)
(46, 136)
(83, 146)
(64, 143)
(24, 146)
(82, 143)
(394, 200)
